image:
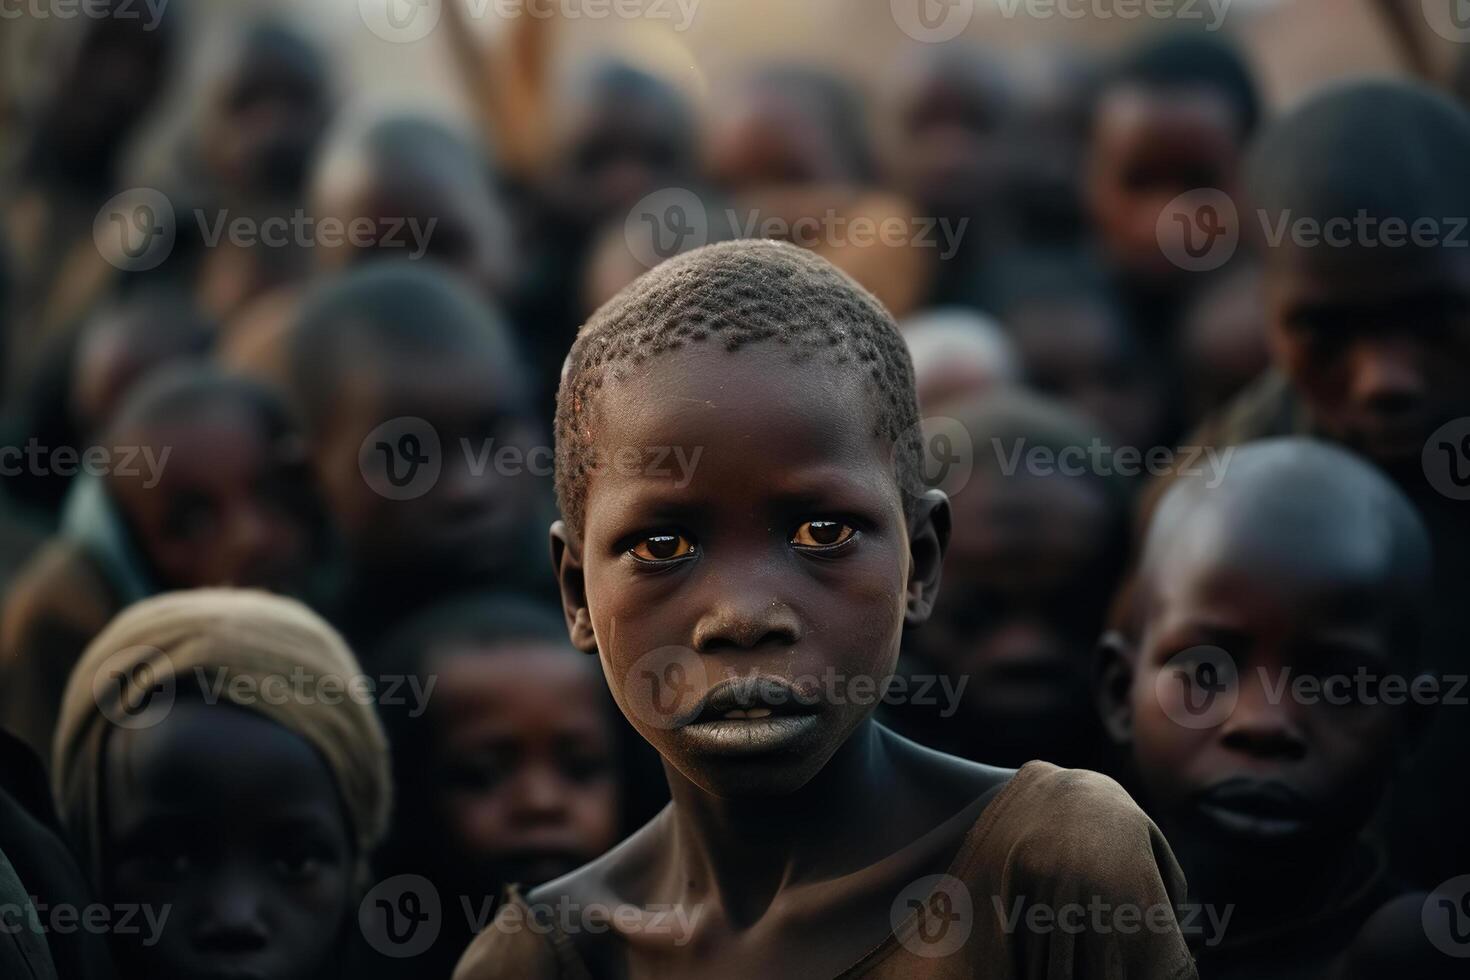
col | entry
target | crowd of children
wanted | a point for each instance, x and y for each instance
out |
(503, 591)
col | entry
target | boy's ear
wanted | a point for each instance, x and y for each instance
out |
(566, 563)
(928, 540)
(1112, 685)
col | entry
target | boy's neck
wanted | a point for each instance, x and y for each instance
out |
(859, 809)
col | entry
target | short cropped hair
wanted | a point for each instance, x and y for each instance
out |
(736, 294)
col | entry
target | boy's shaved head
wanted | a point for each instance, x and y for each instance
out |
(736, 294)
(1291, 496)
(1392, 149)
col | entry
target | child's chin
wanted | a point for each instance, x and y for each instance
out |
(750, 778)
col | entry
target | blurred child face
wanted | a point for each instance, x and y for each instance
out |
(615, 152)
(523, 762)
(1378, 345)
(270, 118)
(769, 140)
(1021, 603)
(1075, 351)
(1280, 771)
(228, 509)
(232, 823)
(473, 519)
(951, 155)
(785, 555)
(1148, 148)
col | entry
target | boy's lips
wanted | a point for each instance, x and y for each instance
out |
(750, 715)
(1261, 810)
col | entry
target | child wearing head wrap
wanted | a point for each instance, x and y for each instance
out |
(220, 764)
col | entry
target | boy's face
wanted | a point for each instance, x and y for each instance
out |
(952, 156)
(473, 518)
(232, 824)
(523, 762)
(1283, 768)
(1377, 344)
(1147, 149)
(267, 123)
(227, 507)
(782, 554)
(1021, 604)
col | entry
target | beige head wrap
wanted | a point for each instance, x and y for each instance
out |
(156, 648)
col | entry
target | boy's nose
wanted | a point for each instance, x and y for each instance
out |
(1262, 727)
(746, 622)
(1387, 378)
(234, 922)
(538, 795)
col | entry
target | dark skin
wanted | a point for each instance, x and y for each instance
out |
(233, 822)
(469, 523)
(1021, 606)
(1278, 592)
(522, 755)
(749, 573)
(1376, 341)
(227, 507)
(1148, 148)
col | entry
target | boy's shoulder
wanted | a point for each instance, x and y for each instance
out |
(530, 939)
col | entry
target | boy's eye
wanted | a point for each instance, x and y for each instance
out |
(662, 547)
(822, 534)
